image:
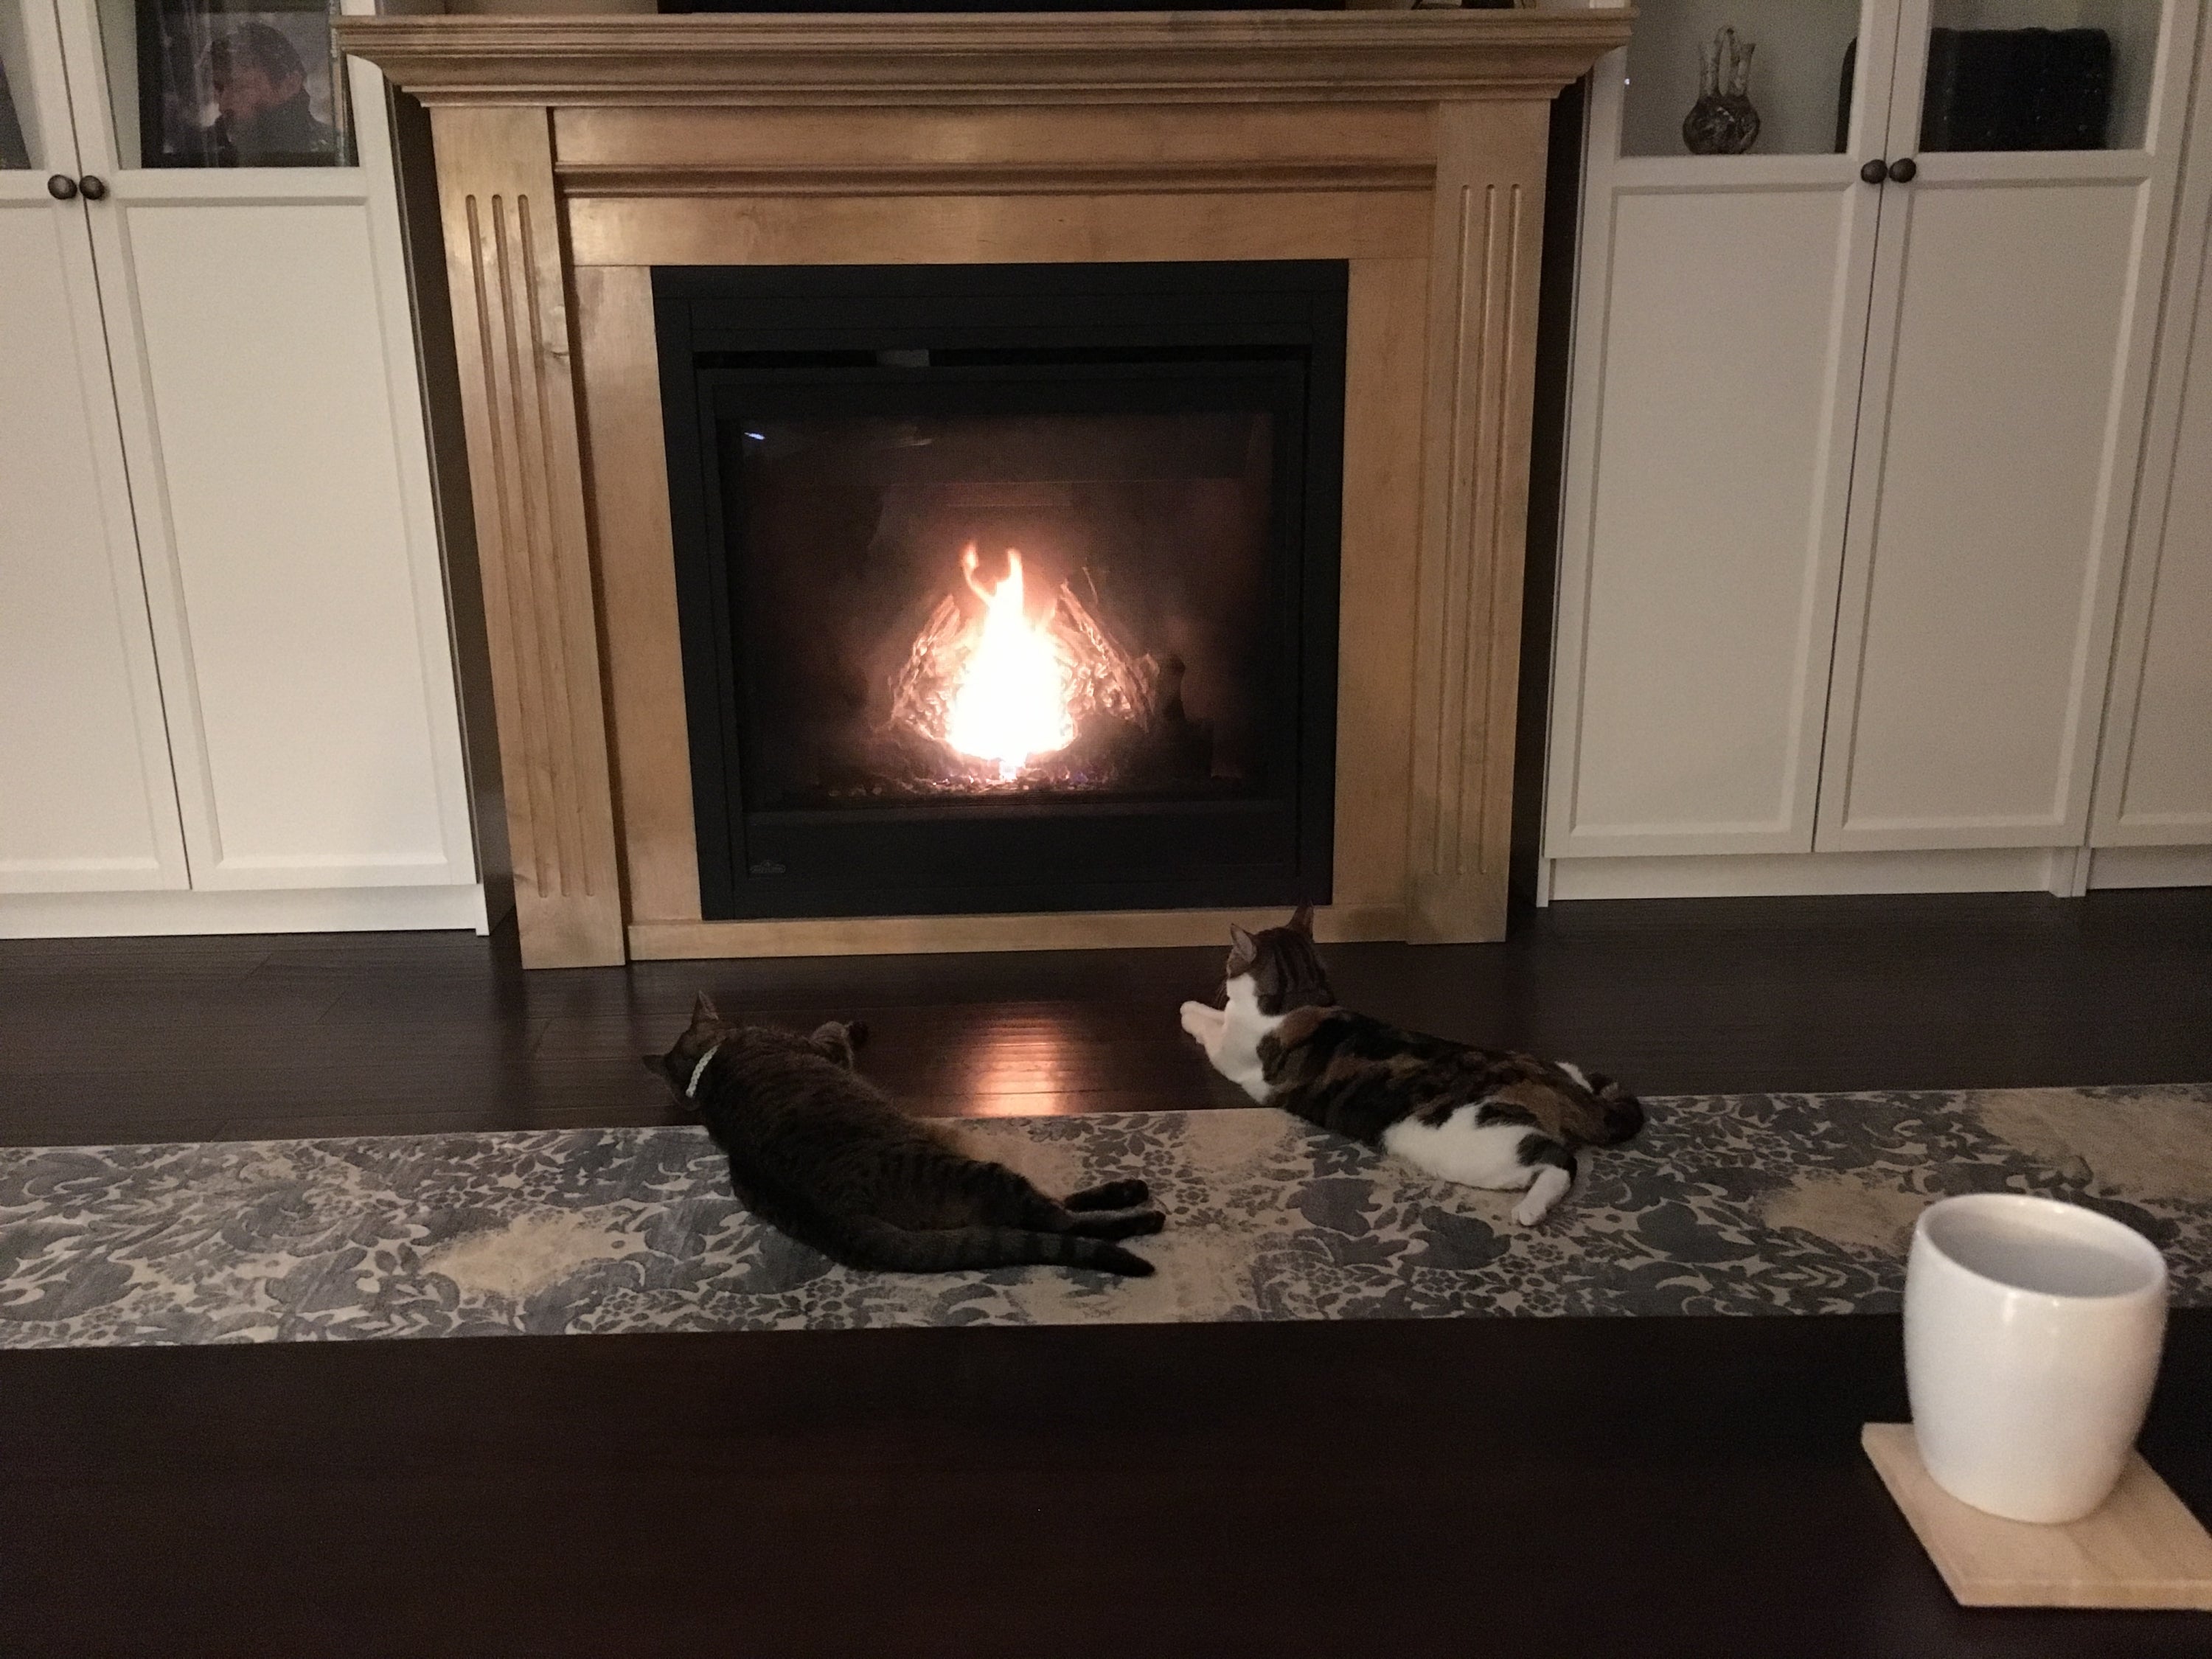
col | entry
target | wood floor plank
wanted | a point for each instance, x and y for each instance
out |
(1565, 1488)
(1944, 992)
(1289, 1490)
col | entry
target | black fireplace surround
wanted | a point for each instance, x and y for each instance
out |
(1006, 587)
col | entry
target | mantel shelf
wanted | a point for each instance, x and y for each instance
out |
(814, 61)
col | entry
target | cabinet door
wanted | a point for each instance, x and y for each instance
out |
(259, 323)
(86, 796)
(1999, 427)
(1721, 322)
(2155, 770)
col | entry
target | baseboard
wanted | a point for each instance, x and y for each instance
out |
(2151, 867)
(1999, 870)
(312, 910)
(663, 941)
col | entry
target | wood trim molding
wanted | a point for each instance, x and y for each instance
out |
(827, 61)
(627, 456)
(1482, 334)
(652, 941)
(519, 404)
(1006, 179)
(820, 230)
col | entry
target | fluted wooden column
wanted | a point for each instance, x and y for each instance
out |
(1488, 235)
(511, 330)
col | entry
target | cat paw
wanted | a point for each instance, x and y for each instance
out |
(1549, 1187)
(1113, 1195)
(1118, 1223)
(1202, 1021)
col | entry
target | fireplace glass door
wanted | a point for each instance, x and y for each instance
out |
(1007, 588)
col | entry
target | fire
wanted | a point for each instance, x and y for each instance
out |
(1010, 702)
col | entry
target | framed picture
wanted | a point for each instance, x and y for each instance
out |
(240, 83)
(14, 152)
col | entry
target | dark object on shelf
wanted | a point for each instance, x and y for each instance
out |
(2017, 90)
(14, 152)
(2006, 90)
(1843, 102)
(674, 8)
(1722, 121)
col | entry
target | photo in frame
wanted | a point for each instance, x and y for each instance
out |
(14, 152)
(240, 83)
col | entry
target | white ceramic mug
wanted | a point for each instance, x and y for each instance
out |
(2031, 1336)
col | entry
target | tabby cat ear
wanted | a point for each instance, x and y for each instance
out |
(702, 1010)
(1302, 920)
(833, 1039)
(1246, 946)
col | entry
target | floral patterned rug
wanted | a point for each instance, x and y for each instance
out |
(1743, 1204)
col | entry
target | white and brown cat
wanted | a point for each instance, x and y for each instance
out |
(1483, 1117)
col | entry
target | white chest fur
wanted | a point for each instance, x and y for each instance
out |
(1230, 1035)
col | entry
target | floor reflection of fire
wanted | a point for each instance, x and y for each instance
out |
(993, 699)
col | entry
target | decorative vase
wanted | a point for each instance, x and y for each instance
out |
(1722, 121)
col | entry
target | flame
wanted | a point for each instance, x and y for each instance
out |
(1010, 701)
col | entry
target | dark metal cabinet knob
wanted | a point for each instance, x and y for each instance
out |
(1874, 171)
(93, 186)
(61, 187)
(1902, 169)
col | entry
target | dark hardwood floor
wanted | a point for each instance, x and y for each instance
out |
(203, 1038)
(1544, 1489)
(1562, 1488)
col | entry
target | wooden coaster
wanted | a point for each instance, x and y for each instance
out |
(2142, 1549)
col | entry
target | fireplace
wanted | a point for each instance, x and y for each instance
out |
(597, 172)
(1006, 587)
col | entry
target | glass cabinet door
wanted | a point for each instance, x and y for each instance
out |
(21, 144)
(1731, 77)
(2028, 75)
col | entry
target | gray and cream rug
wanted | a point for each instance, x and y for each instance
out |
(1744, 1204)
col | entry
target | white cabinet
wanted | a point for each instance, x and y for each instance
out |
(1853, 439)
(1721, 326)
(2155, 774)
(225, 662)
(86, 797)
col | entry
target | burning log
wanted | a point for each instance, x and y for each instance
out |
(1123, 712)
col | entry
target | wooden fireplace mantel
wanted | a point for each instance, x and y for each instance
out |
(575, 153)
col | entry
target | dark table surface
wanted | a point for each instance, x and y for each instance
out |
(1536, 1488)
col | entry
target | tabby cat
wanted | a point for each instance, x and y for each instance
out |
(821, 1153)
(1480, 1117)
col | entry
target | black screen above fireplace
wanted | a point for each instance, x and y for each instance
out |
(1006, 587)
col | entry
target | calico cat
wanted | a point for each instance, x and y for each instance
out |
(1480, 1117)
(821, 1153)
